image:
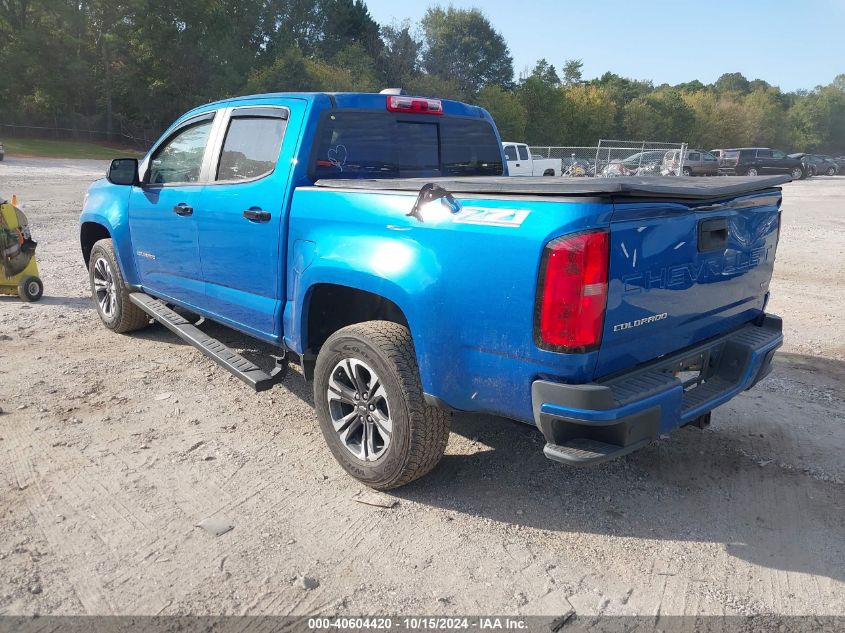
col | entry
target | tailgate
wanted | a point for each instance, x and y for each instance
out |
(683, 271)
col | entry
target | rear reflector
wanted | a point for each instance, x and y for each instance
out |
(572, 294)
(414, 105)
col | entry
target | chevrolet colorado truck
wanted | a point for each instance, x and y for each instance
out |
(375, 240)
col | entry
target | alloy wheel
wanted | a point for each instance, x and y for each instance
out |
(104, 288)
(359, 409)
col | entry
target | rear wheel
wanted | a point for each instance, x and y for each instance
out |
(751, 171)
(831, 171)
(370, 404)
(109, 291)
(30, 288)
(687, 171)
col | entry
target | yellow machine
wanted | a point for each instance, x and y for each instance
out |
(18, 269)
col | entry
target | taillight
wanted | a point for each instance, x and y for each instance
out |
(414, 105)
(572, 293)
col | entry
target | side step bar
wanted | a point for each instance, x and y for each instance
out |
(236, 364)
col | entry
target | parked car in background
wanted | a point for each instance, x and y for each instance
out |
(840, 161)
(717, 153)
(697, 162)
(760, 161)
(640, 164)
(818, 165)
(522, 163)
(831, 160)
(2, 151)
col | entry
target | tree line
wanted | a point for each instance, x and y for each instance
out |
(129, 67)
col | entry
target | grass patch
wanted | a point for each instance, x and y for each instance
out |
(49, 148)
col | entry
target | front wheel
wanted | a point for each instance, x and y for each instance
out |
(831, 171)
(751, 171)
(109, 291)
(797, 173)
(371, 409)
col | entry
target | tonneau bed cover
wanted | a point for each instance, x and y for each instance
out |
(688, 187)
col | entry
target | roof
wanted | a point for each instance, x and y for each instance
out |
(363, 100)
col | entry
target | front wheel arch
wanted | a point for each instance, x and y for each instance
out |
(89, 234)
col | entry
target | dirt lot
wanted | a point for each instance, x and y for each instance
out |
(113, 448)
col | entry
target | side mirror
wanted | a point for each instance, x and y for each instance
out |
(123, 171)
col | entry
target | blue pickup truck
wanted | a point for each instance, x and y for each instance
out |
(376, 240)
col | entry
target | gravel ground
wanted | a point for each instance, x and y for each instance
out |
(113, 448)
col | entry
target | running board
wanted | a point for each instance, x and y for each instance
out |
(233, 362)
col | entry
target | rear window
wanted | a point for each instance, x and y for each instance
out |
(385, 145)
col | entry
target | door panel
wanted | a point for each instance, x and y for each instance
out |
(162, 215)
(242, 229)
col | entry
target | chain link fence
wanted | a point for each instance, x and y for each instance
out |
(617, 158)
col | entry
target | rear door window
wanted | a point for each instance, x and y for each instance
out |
(764, 153)
(694, 156)
(252, 144)
(510, 152)
(372, 144)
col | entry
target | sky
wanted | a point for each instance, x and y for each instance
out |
(795, 44)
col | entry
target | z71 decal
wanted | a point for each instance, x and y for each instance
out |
(491, 217)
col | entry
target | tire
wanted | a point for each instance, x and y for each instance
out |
(116, 311)
(831, 171)
(549, 172)
(752, 171)
(687, 171)
(407, 435)
(30, 288)
(797, 173)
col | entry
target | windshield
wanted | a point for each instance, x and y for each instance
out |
(385, 145)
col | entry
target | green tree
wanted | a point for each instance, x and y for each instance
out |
(572, 71)
(399, 60)
(732, 82)
(348, 22)
(462, 45)
(507, 111)
(765, 118)
(590, 115)
(544, 105)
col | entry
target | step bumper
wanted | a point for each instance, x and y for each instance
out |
(595, 422)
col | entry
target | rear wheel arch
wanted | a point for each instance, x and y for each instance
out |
(328, 307)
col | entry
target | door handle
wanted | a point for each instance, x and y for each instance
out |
(183, 209)
(518, 165)
(713, 234)
(256, 214)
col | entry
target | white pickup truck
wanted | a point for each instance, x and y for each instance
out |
(522, 163)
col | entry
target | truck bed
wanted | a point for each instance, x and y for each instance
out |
(687, 187)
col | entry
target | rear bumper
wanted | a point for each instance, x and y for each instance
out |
(595, 422)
